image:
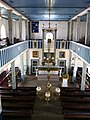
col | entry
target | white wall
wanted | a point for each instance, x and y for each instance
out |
(61, 29)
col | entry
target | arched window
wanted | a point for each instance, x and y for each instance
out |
(3, 32)
(49, 35)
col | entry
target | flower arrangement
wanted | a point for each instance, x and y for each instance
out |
(65, 76)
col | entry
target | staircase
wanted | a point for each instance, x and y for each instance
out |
(47, 111)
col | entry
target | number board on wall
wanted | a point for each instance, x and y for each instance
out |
(35, 27)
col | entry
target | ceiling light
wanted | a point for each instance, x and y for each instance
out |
(49, 63)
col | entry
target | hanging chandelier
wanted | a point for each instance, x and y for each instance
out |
(48, 95)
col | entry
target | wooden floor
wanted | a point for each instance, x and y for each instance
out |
(31, 80)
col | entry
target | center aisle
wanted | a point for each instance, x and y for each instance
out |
(47, 111)
(43, 110)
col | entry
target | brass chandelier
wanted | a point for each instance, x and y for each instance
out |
(48, 95)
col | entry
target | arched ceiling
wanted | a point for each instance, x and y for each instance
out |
(38, 9)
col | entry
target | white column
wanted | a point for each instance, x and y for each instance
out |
(60, 72)
(87, 34)
(10, 24)
(55, 45)
(83, 76)
(43, 35)
(0, 21)
(69, 62)
(27, 62)
(75, 69)
(27, 29)
(71, 30)
(78, 28)
(70, 71)
(22, 67)
(68, 30)
(13, 75)
(36, 72)
(20, 27)
(0, 107)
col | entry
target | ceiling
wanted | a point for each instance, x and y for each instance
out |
(38, 9)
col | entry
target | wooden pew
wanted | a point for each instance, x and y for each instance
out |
(76, 93)
(18, 93)
(73, 89)
(75, 106)
(18, 105)
(15, 99)
(27, 88)
(19, 88)
(75, 99)
(16, 115)
(76, 116)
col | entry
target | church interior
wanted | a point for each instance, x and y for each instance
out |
(44, 59)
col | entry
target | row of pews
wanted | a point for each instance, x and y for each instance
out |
(75, 103)
(6, 77)
(17, 104)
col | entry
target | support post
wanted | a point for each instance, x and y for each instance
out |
(27, 30)
(68, 30)
(22, 67)
(0, 109)
(43, 32)
(87, 34)
(55, 45)
(27, 63)
(71, 30)
(75, 70)
(20, 27)
(83, 77)
(13, 75)
(78, 28)
(10, 26)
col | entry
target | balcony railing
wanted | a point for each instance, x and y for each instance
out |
(10, 52)
(38, 44)
(81, 50)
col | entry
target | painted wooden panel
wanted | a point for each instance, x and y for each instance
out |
(10, 52)
(81, 50)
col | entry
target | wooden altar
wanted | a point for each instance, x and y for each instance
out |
(43, 72)
(46, 69)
